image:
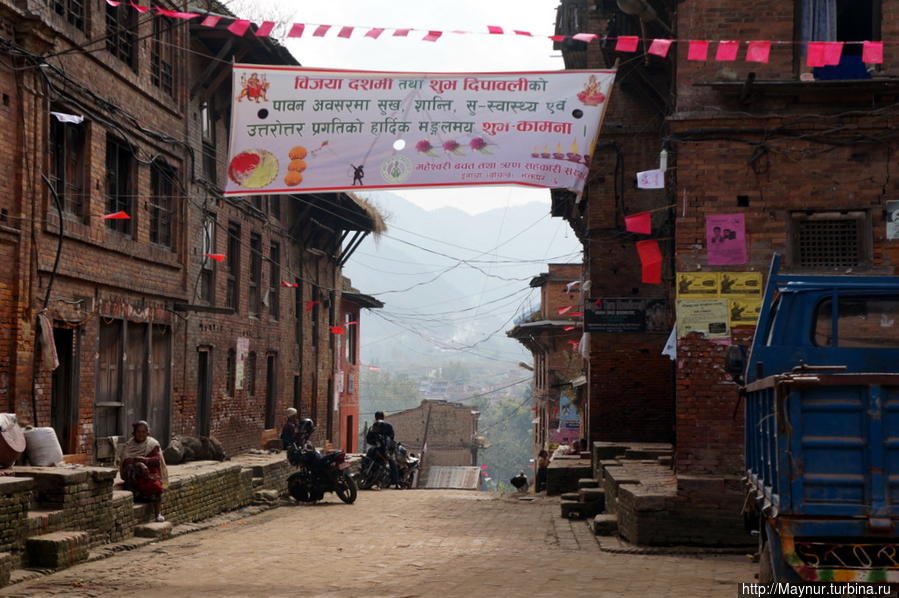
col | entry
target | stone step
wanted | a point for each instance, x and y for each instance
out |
(604, 524)
(57, 550)
(595, 496)
(577, 510)
(143, 512)
(42, 521)
(574, 496)
(257, 482)
(587, 483)
(153, 530)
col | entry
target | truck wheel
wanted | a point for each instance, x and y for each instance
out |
(766, 567)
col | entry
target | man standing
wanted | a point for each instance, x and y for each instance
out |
(289, 431)
(381, 435)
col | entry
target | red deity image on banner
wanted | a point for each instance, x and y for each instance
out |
(254, 88)
(591, 96)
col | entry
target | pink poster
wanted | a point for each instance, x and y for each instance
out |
(725, 236)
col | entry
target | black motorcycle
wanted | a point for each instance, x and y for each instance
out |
(375, 469)
(318, 474)
(408, 465)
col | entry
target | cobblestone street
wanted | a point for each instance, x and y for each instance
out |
(395, 544)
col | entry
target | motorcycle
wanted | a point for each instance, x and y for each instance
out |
(408, 465)
(318, 474)
(375, 469)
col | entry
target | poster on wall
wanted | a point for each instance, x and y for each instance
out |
(626, 314)
(301, 130)
(711, 317)
(744, 311)
(697, 285)
(240, 359)
(740, 284)
(892, 208)
(725, 239)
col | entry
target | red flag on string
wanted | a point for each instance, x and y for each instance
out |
(174, 14)
(321, 30)
(872, 52)
(815, 54)
(375, 33)
(113, 2)
(525, 33)
(639, 223)
(557, 38)
(210, 21)
(139, 8)
(584, 37)
(296, 30)
(401, 32)
(219, 257)
(568, 328)
(598, 303)
(758, 51)
(573, 343)
(345, 32)
(116, 216)
(265, 29)
(493, 29)
(337, 330)
(660, 47)
(353, 323)
(311, 304)
(833, 53)
(290, 285)
(565, 310)
(727, 51)
(650, 260)
(239, 27)
(432, 36)
(373, 368)
(627, 43)
(698, 50)
(576, 314)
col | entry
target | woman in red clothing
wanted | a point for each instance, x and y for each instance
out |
(143, 467)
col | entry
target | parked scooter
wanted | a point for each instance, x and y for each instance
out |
(408, 465)
(318, 473)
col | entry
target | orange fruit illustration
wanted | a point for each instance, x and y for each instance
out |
(297, 153)
(293, 178)
(297, 165)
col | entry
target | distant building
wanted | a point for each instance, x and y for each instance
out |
(444, 433)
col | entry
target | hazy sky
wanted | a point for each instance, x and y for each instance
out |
(451, 52)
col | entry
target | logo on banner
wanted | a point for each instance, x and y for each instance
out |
(591, 96)
(255, 88)
(396, 169)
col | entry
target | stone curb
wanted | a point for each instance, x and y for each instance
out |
(618, 546)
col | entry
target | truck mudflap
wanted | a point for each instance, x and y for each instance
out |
(858, 559)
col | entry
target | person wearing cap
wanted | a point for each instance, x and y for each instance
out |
(290, 428)
(143, 467)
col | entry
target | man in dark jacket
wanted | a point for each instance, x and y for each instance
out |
(381, 435)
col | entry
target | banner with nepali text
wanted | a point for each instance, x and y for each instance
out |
(297, 130)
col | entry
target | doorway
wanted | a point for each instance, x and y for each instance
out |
(64, 391)
(350, 434)
(204, 390)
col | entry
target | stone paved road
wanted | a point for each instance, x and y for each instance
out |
(397, 544)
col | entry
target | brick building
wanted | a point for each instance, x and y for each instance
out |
(351, 304)
(145, 325)
(553, 338)
(798, 156)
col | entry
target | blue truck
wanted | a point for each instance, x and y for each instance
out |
(821, 390)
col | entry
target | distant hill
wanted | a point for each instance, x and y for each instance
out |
(493, 286)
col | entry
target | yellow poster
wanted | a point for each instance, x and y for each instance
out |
(697, 285)
(708, 316)
(744, 311)
(740, 284)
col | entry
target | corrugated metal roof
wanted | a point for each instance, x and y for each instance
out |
(457, 478)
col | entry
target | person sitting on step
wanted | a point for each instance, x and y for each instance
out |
(143, 467)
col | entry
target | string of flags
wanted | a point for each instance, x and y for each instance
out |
(818, 53)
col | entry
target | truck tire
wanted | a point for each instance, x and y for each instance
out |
(766, 567)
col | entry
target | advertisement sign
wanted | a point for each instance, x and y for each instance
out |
(744, 311)
(626, 314)
(708, 316)
(725, 239)
(240, 359)
(740, 284)
(892, 208)
(298, 130)
(697, 285)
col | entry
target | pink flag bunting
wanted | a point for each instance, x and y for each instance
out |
(650, 261)
(564, 310)
(494, 30)
(401, 32)
(345, 32)
(219, 257)
(432, 36)
(311, 304)
(116, 216)
(525, 33)
(337, 330)
(139, 8)
(265, 29)
(290, 285)
(321, 30)
(639, 223)
(872, 52)
(833, 53)
(568, 328)
(210, 21)
(758, 51)
(113, 2)
(375, 33)
(583, 37)
(815, 54)
(576, 314)
(660, 47)
(698, 50)
(296, 30)
(627, 43)
(727, 51)
(174, 14)
(557, 38)
(353, 323)
(239, 27)
(374, 368)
